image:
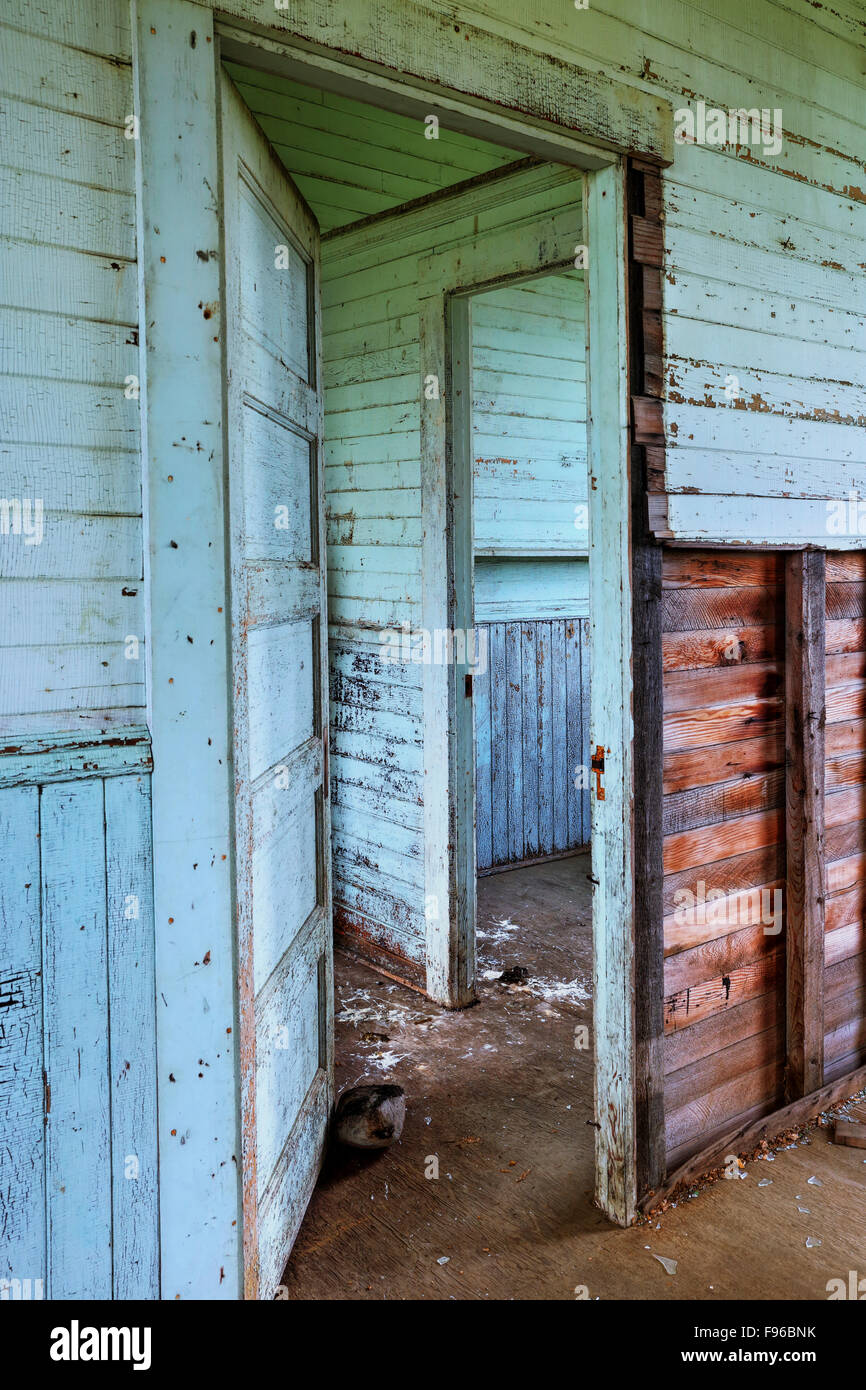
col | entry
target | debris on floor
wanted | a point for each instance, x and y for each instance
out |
(517, 975)
(850, 1129)
(370, 1117)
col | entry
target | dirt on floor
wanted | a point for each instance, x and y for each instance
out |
(488, 1194)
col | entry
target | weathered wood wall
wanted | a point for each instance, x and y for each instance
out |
(372, 455)
(531, 740)
(69, 436)
(529, 506)
(724, 842)
(845, 813)
(763, 251)
(529, 418)
(78, 1161)
(727, 837)
(510, 588)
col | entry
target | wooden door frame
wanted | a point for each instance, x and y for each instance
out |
(178, 46)
(447, 284)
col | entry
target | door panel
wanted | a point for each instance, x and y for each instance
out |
(521, 814)
(274, 411)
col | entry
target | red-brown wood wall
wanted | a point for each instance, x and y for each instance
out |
(723, 649)
(845, 816)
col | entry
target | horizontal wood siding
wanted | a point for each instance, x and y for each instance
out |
(529, 418)
(351, 160)
(762, 263)
(373, 400)
(845, 814)
(78, 1162)
(724, 842)
(531, 740)
(530, 588)
(71, 594)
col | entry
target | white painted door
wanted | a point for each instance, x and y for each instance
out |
(279, 653)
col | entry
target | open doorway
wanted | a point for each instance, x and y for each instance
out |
(452, 355)
(531, 688)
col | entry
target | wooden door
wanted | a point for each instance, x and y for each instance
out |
(279, 655)
(531, 702)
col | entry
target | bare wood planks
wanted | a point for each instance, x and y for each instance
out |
(724, 841)
(646, 253)
(844, 1024)
(805, 599)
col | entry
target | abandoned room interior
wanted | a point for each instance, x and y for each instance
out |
(433, 612)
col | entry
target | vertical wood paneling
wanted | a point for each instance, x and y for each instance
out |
(22, 1152)
(531, 718)
(545, 736)
(529, 731)
(499, 759)
(805, 602)
(845, 815)
(514, 726)
(132, 1037)
(77, 1065)
(584, 758)
(483, 764)
(573, 730)
(78, 1162)
(559, 703)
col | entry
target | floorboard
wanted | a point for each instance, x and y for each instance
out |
(501, 1096)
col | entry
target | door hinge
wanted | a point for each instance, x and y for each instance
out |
(597, 766)
(326, 767)
(467, 685)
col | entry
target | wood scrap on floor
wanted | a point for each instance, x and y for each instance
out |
(850, 1129)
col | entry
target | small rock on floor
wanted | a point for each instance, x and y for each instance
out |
(370, 1117)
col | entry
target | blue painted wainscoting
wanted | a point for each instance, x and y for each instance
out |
(531, 737)
(78, 1136)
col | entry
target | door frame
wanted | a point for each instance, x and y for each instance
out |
(178, 46)
(446, 502)
(447, 284)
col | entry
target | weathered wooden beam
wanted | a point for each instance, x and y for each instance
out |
(645, 379)
(648, 417)
(805, 586)
(748, 1136)
(465, 72)
(614, 895)
(648, 828)
(181, 395)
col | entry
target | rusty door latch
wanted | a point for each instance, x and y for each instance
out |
(597, 766)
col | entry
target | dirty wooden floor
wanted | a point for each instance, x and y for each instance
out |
(502, 1098)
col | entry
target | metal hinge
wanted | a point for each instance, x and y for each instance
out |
(597, 766)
